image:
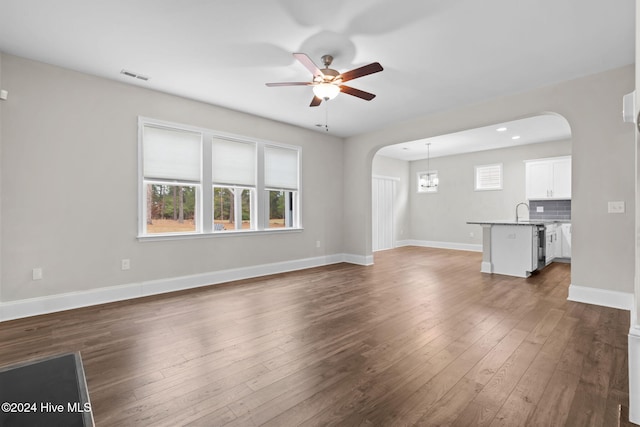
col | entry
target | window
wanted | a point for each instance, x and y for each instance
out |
(171, 208)
(171, 180)
(281, 186)
(197, 181)
(488, 177)
(234, 184)
(232, 208)
(428, 182)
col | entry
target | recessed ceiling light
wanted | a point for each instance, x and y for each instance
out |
(502, 129)
(515, 137)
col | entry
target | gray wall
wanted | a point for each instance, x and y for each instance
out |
(603, 156)
(443, 216)
(69, 200)
(69, 193)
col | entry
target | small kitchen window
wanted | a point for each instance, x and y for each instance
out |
(488, 177)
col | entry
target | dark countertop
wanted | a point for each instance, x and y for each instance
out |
(528, 222)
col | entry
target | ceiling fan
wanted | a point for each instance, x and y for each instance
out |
(327, 83)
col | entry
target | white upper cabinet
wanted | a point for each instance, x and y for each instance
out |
(548, 178)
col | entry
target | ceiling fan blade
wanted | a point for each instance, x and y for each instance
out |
(357, 92)
(288, 84)
(315, 101)
(374, 67)
(309, 65)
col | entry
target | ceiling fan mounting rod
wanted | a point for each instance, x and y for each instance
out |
(326, 60)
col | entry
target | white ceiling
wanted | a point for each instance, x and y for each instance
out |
(532, 130)
(437, 54)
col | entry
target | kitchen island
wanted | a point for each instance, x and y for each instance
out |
(514, 248)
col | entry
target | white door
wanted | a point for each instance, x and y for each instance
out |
(383, 190)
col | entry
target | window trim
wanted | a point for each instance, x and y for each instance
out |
(206, 184)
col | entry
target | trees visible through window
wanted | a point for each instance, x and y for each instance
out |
(281, 208)
(232, 208)
(171, 208)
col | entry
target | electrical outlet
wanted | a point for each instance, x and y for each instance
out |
(471, 234)
(616, 207)
(539, 208)
(317, 243)
(126, 264)
(37, 273)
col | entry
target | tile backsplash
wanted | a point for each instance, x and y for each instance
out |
(553, 209)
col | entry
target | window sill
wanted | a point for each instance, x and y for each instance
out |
(229, 233)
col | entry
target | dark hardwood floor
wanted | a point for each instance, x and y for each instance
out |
(420, 338)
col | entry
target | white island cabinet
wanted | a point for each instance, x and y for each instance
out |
(565, 241)
(518, 248)
(514, 250)
(511, 248)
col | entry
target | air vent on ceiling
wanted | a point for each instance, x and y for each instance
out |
(134, 75)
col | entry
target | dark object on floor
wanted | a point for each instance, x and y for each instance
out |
(46, 392)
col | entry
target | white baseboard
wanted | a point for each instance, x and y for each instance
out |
(53, 303)
(358, 259)
(603, 297)
(486, 267)
(440, 245)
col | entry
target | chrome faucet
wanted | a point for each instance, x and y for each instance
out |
(518, 205)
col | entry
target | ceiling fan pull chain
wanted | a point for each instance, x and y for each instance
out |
(326, 116)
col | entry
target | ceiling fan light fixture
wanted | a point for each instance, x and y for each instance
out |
(326, 91)
(327, 83)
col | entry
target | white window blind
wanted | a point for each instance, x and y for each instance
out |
(489, 177)
(171, 154)
(280, 168)
(234, 162)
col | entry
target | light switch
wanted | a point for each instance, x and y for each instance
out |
(616, 207)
